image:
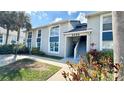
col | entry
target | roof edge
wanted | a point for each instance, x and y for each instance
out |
(97, 13)
(54, 23)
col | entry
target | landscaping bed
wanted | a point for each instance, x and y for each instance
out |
(27, 70)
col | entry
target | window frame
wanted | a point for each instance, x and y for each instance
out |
(30, 39)
(101, 29)
(1, 43)
(37, 37)
(49, 50)
(14, 38)
(105, 15)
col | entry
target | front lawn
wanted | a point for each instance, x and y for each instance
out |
(27, 70)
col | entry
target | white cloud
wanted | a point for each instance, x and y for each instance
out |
(29, 12)
(82, 18)
(71, 12)
(44, 15)
(57, 19)
(39, 14)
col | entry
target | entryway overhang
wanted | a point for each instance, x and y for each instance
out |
(77, 33)
(74, 34)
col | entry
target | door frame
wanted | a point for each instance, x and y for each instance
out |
(81, 33)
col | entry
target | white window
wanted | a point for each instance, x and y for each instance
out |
(107, 23)
(107, 45)
(29, 40)
(107, 37)
(1, 39)
(54, 46)
(13, 41)
(54, 39)
(39, 39)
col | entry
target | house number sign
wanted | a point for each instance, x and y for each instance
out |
(76, 34)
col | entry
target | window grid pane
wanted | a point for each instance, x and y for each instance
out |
(1, 39)
(39, 33)
(54, 31)
(107, 23)
(54, 46)
(54, 39)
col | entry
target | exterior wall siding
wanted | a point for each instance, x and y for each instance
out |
(45, 34)
(94, 24)
(45, 39)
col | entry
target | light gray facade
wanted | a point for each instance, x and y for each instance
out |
(64, 26)
(68, 40)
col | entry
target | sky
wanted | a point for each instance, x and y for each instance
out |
(39, 18)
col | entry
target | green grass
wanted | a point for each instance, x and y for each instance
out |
(27, 70)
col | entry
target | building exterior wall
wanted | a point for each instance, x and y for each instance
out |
(45, 34)
(94, 24)
(12, 36)
(45, 39)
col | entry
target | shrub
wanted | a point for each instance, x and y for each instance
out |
(10, 49)
(99, 67)
(107, 53)
(83, 71)
(36, 51)
(98, 55)
(6, 49)
(23, 49)
(94, 54)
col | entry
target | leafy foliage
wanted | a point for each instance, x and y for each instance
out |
(10, 49)
(97, 68)
(22, 49)
(6, 49)
(7, 21)
(36, 51)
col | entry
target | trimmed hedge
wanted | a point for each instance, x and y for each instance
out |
(7, 49)
(23, 49)
(107, 53)
(97, 55)
(10, 49)
(36, 51)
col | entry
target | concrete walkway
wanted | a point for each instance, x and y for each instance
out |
(7, 59)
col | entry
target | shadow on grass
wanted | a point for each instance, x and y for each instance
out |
(13, 71)
(27, 70)
(11, 75)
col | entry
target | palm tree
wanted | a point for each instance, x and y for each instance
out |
(118, 38)
(22, 21)
(6, 21)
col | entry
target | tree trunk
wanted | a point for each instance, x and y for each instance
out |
(7, 36)
(18, 37)
(118, 38)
